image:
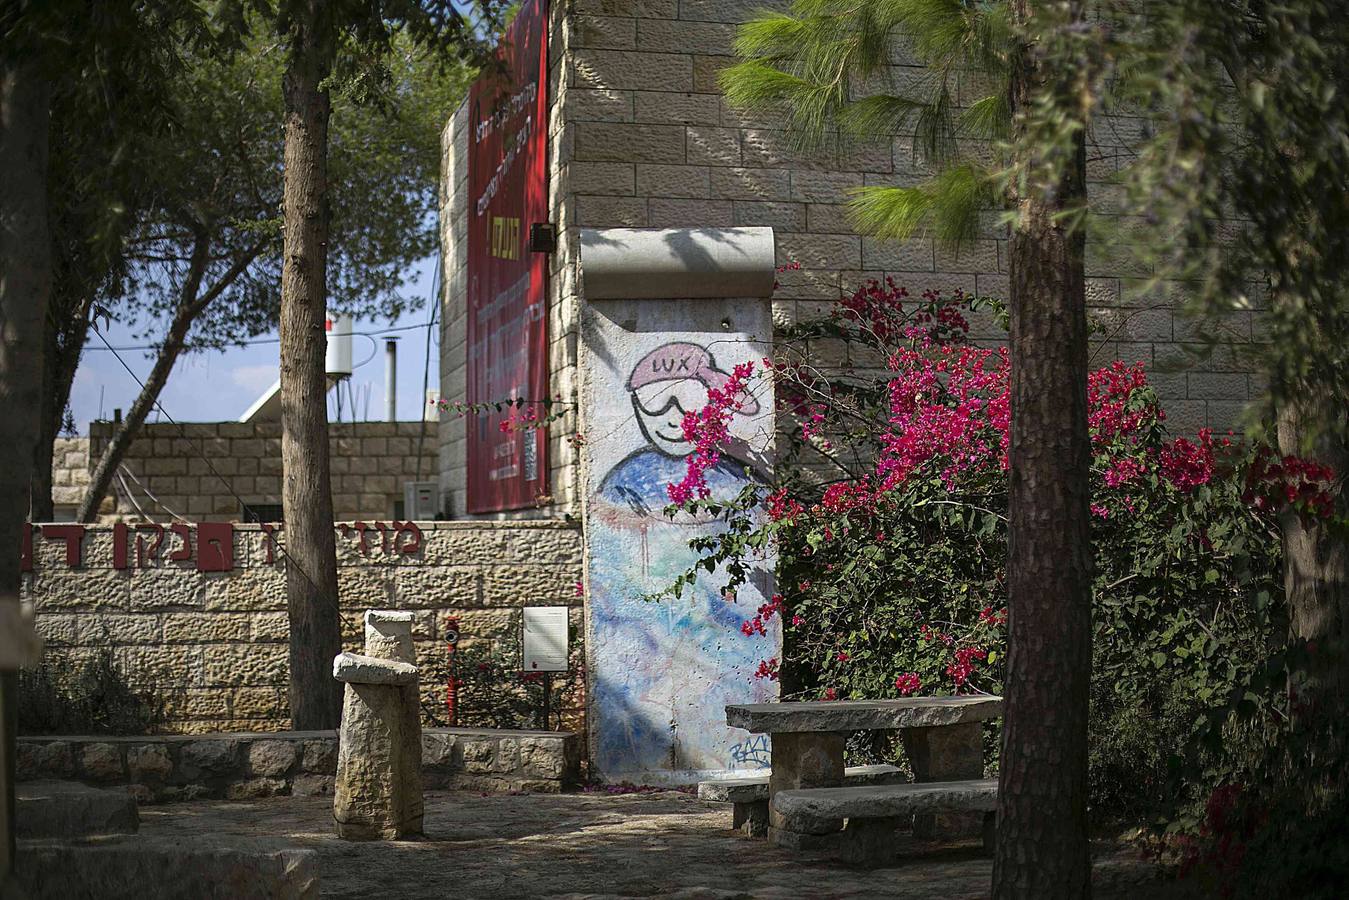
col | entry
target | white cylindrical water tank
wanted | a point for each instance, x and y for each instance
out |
(338, 359)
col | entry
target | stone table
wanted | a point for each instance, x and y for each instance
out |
(942, 737)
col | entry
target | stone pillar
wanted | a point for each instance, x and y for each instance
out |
(668, 315)
(946, 753)
(378, 792)
(805, 759)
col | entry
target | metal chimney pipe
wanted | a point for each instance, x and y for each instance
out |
(391, 379)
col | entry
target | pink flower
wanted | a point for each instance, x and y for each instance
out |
(908, 683)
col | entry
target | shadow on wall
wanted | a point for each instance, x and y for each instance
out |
(92, 695)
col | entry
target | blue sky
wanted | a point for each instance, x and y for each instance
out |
(219, 387)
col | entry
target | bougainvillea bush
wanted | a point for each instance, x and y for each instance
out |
(888, 521)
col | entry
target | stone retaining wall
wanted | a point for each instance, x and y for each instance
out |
(202, 470)
(214, 644)
(241, 766)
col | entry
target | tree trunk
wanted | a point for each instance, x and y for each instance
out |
(66, 333)
(1042, 843)
(191, 303)
(41, 507)
(307, 502)
(25, 287)
(189, 307)
(1316, 564)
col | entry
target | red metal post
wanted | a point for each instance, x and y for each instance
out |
(451, 685)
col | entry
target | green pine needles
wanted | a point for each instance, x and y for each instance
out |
(865, 70)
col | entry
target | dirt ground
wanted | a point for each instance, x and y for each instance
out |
(592, 846)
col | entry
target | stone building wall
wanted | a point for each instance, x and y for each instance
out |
(70, 472)
(214, 644)
(562, 299)
(641, 137)
(203, 470)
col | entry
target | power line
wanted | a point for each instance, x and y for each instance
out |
(290, 560)
(276, 340)
(426, 366)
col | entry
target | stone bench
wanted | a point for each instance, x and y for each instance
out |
(749, 795)
(942, 738)
(811, 819)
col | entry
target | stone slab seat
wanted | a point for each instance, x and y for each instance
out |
(68, 809)
(754, 788)
(749, 795)
(810, 818)
(863, 715)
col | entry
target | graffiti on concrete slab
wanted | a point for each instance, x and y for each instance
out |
(664, 671)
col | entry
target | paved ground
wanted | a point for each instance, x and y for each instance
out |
(590, 846)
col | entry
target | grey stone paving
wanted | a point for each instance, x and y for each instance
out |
(587, 846)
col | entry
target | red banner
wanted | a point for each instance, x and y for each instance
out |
(507, 284)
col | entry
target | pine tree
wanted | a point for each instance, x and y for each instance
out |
(1020, 146)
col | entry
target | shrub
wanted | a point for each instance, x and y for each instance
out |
(492, 691)
(888, 522)
(89, 696)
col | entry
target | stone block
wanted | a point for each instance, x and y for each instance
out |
(739, 183)
(312, 786)
(771, 147)
(438, 751)
(626, 70)
(255, 788)
(672, 181)
(417, 587)
(611, 212)
(732, 11)
(601, 178)
(215, 756)
(67, 810)
(353, 668)
(152, 590)
(167, 868)
(271, 757)
(254, 665)
(270, 627)
(663, 213)
(378, 790)
(599, 105)
(102, 762)
(477, 756)
(781, 216)
(542, 758)
(58, 628)
(712, 145)
(1219, 386)
(947, 754)
(58, 589)
(707, 71)
(673, 107)
(909, 256)
(319, 757)
(682, 36)
(507, 756)
(53, 759)
(204, 628)
(148, 763)
(524, 585)
(660, 9)
(820, 251)
(823, 187)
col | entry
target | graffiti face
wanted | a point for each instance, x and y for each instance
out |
(669, 382)
(660, 409)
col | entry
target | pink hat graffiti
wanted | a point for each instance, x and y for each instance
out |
(680, 362)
